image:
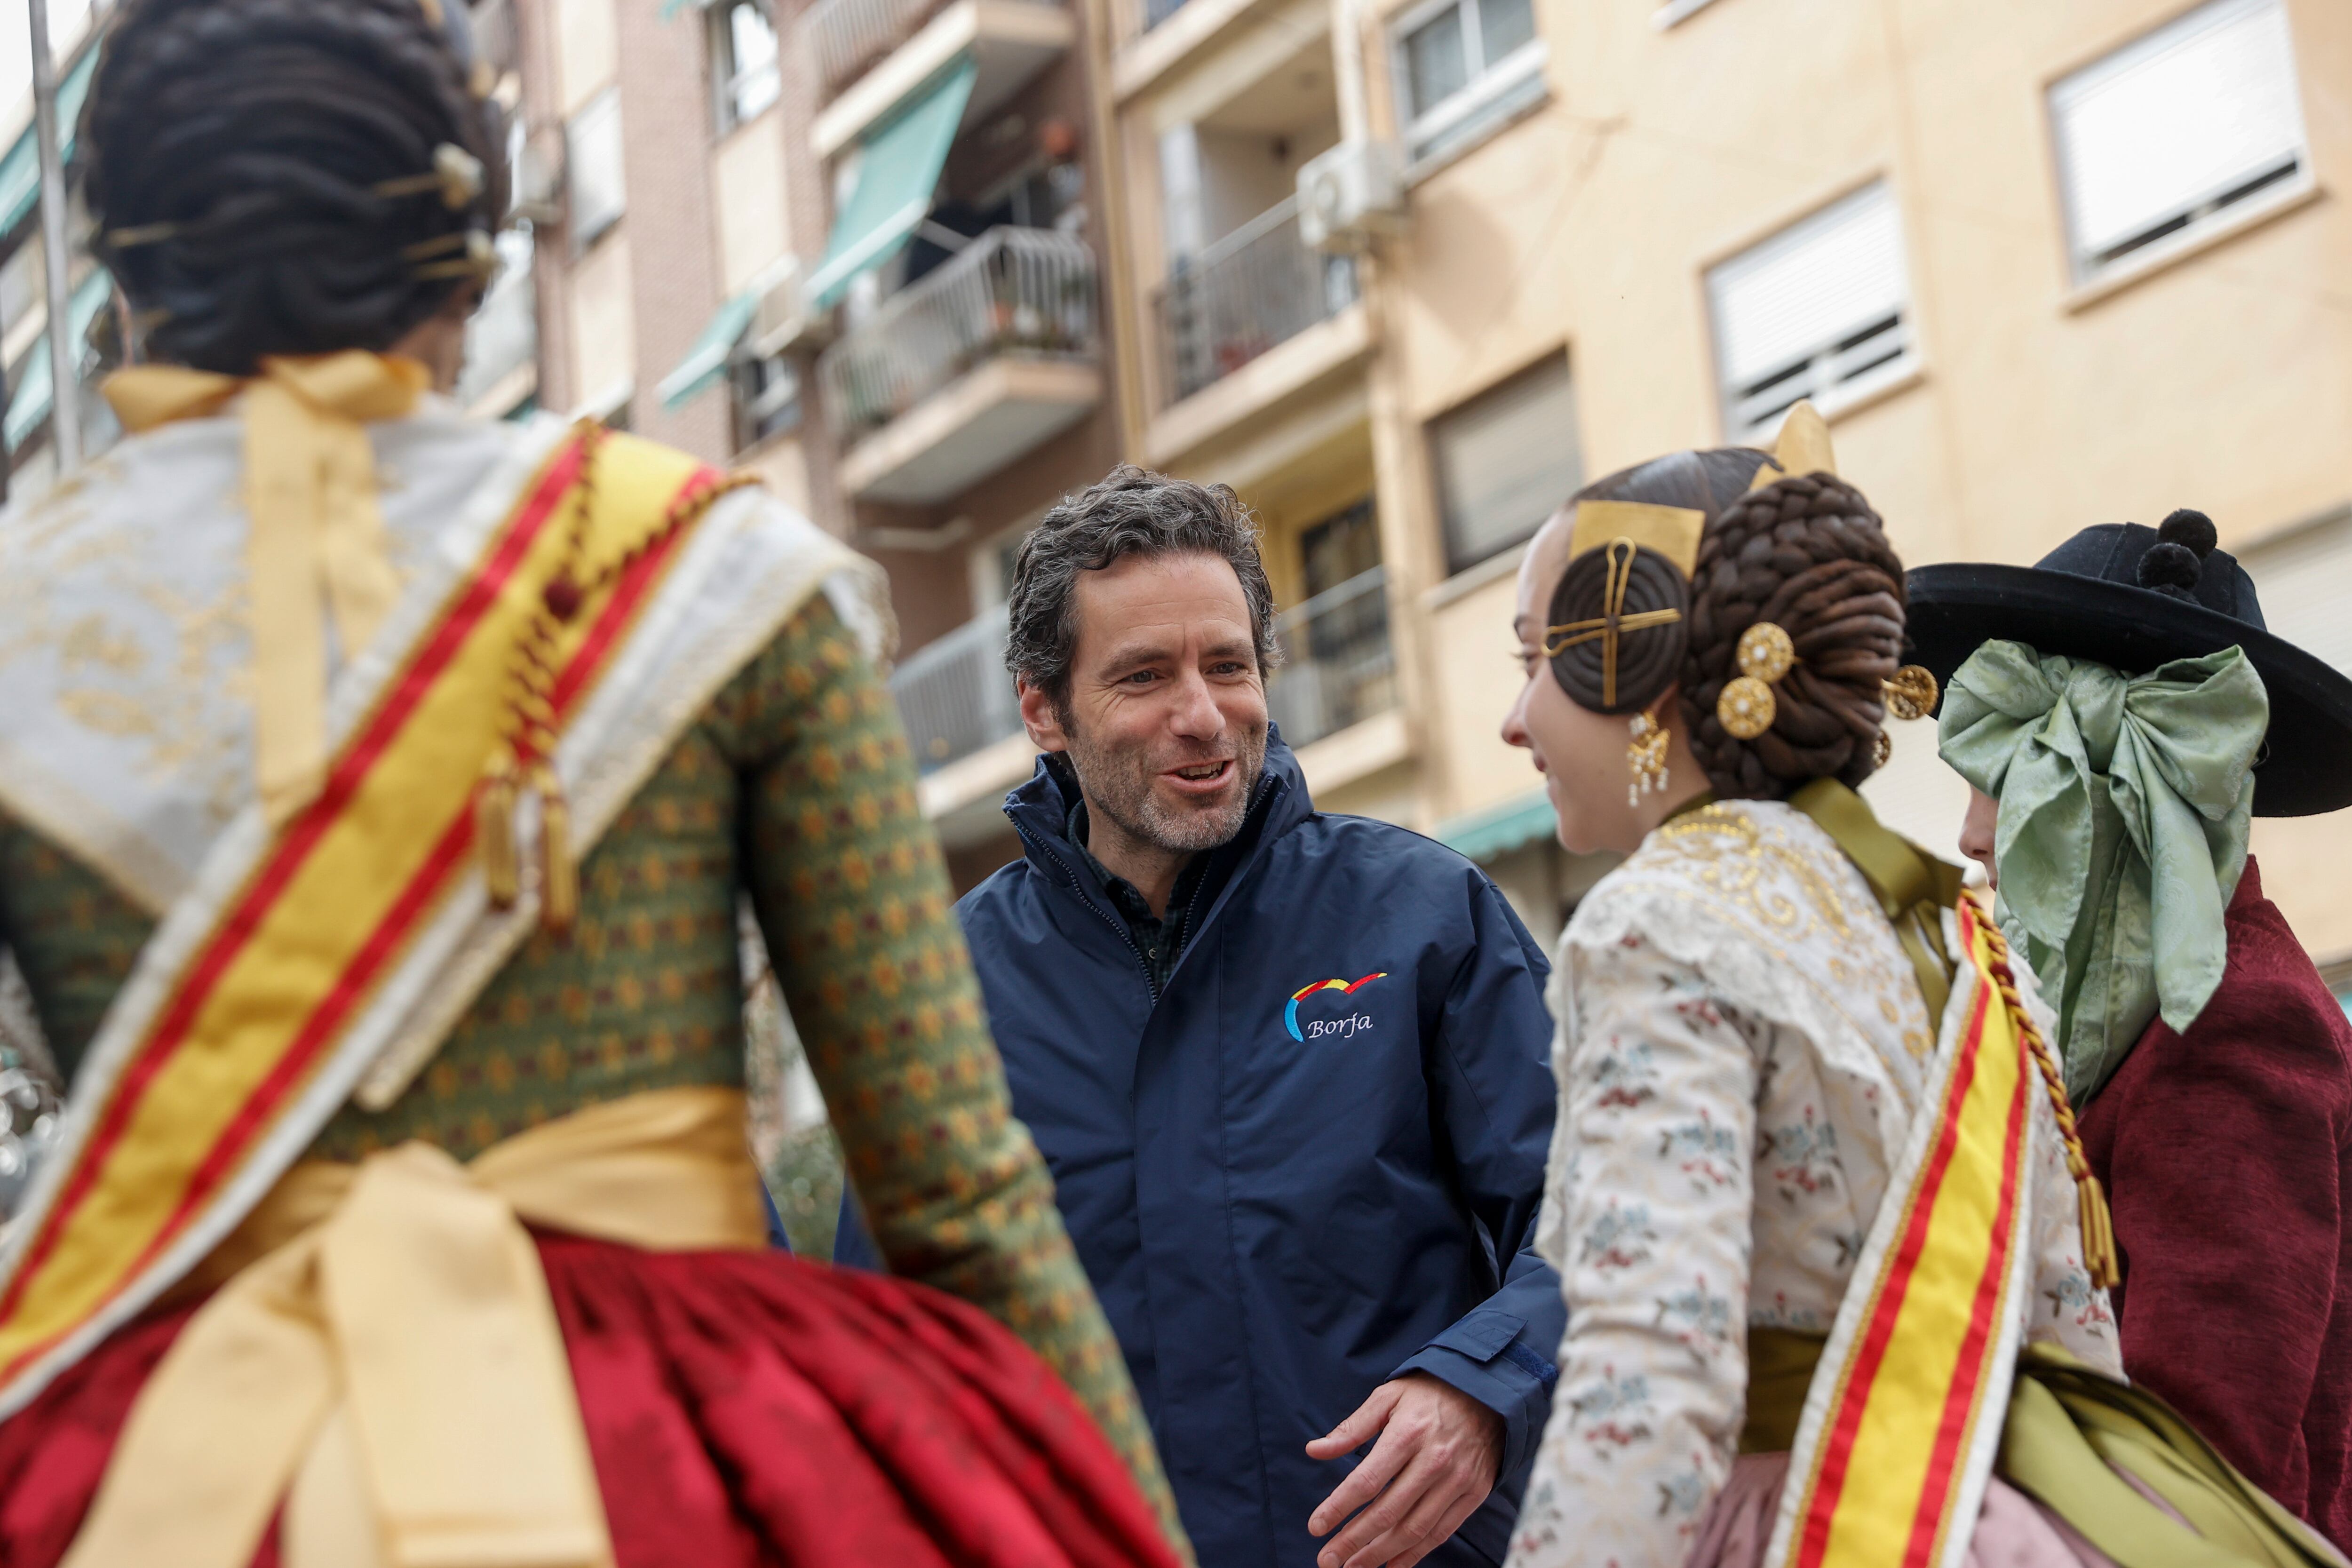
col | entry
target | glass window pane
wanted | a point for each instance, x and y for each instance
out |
(1504, 25)
(752, 38)
(1435, 69)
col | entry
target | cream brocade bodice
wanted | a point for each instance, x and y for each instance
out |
(1741, 1050)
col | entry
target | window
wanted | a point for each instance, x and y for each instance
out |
(2177, 130)
(767, 399)
(745, 76)
(1821, 309)
(1505, 460)
(592, 145)
(1463, 67)
(2303, 581)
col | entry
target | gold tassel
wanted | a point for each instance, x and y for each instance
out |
(560, 883)
(2098, 1234)
(494, 832)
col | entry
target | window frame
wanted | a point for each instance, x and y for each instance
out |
(1866, 382)
(1490, 97)
(2253, 195)
(583, 235)
(783, 401)
(1461, 555)
(728, 77)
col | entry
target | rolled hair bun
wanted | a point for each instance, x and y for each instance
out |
(1808, 556)
(256, 129)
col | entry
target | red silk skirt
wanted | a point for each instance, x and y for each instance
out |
(743, 1408)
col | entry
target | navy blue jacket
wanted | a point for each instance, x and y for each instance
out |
(1310, 1165)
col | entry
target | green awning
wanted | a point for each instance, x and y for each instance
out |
(20, 171)
(29, 400)
(1486, 835)
(898, 169)
(706, 362)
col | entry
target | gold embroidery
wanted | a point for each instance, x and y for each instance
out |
(1733, 855)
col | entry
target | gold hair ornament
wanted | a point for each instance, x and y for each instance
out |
(456, 174)
(1746, 706)
(1801, 447)
(1611, 622)
(1913, 692)
(1645, 755)
(480, 258)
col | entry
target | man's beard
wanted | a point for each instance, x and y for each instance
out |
(1119, 785)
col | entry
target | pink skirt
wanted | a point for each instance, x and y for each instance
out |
(2013, 1530)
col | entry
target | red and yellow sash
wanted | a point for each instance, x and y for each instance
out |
(233, 1043)
(1904, 1416)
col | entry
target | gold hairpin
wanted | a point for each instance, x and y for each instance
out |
(480, 260)
(140, 234)
(1612, 620)
(456, 174)
(1913, 692)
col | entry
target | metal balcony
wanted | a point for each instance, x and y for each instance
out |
(954, 695)
(968, 369)
(1252, 290)
(1338, 666)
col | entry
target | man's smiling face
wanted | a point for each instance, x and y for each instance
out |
(1165, 720)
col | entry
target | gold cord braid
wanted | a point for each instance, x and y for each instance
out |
(1610, 622)
(525, 756)
(2098, 1224)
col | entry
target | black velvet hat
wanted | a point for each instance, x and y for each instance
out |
(2135, 598)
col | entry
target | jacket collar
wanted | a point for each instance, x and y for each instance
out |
(1040, 813)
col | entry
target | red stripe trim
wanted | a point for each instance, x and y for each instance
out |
(1838, 1447)
(1959, 1401)
(302, 838)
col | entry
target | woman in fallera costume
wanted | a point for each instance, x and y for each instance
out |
(1815, 1195)
(376, 790)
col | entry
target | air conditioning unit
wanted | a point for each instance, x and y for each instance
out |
(1352, 196)
(782, 318)
(538, 179)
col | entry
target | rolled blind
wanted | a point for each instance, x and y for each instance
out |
(2305, 581)
(1814, 284)
(2174, 120)
(1506, 459)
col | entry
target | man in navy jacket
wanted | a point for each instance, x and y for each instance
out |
(1289, 1069)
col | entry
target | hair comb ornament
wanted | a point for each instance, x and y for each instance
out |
(1746, 706)
(456, 174)
(1912, 692)
(1801, 447)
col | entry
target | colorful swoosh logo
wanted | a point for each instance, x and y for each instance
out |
(1290, 1013)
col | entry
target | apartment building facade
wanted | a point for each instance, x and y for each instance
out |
(2042, 268)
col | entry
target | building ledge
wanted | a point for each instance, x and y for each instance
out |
(2165, 255)
(1010, 41)
(963, 800)
(969, 428)
(1150, 55)
(1358, 751)
(1281, 372)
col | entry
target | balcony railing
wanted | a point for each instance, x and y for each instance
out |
(1338, 668)
(1011, 292)
(1258, 287)
(954, 694)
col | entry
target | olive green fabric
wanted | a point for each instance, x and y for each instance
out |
(2125, 806)
(1912, 886)
(795, 784)
(2072, 1435)
(1781, 1364)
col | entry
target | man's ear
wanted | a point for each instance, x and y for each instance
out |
(1039, 717)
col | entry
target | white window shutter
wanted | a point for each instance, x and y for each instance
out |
(2175, 119)
(1812, 285)
(1506, 459)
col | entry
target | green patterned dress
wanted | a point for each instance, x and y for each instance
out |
(795, 786)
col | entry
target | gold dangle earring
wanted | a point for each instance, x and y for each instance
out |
(1645, 755)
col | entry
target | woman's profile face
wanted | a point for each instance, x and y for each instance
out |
(1580, 753)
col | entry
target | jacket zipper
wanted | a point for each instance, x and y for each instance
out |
(1120, 926)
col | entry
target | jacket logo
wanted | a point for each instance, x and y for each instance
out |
(1344, 1026)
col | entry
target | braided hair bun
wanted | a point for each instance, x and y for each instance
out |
(234, 153)
(1806, 554)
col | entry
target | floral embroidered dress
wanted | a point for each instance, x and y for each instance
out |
(1742, 1048)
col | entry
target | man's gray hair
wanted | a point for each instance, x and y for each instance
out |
(1131, 512)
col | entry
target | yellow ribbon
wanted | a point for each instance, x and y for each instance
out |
(395, 1372)
(316, 529)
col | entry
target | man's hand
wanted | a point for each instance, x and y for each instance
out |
(1436, 1460)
